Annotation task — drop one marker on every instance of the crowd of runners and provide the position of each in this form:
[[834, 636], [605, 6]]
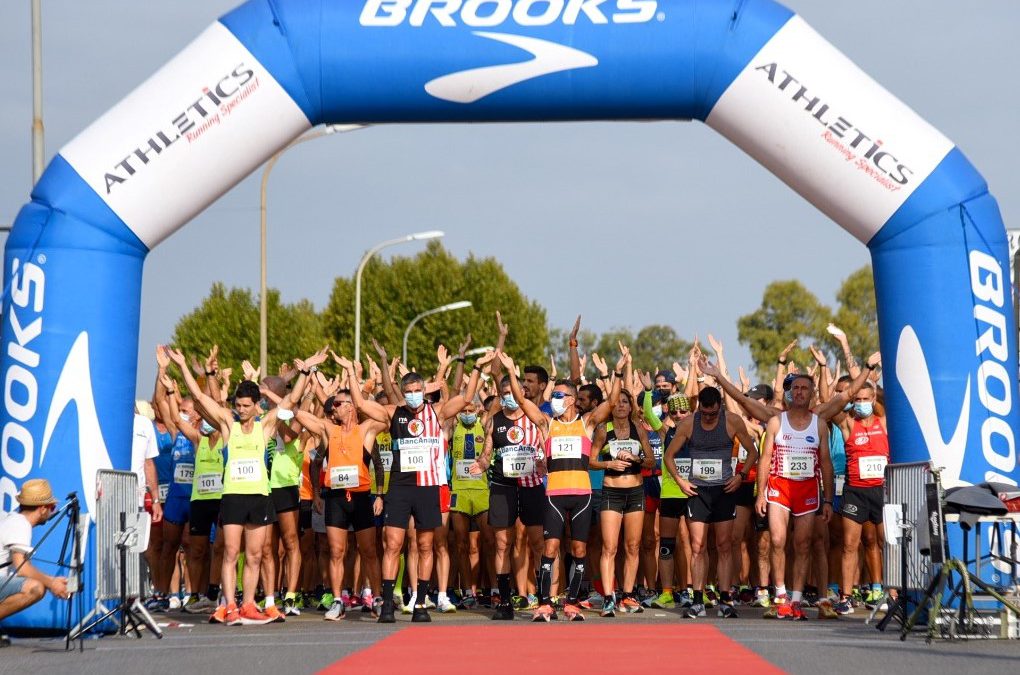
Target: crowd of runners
[[489, 485]]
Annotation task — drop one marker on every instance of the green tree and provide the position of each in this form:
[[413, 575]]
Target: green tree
[[394, 292], [230, 319], [559, 348], [857, 314], [788, 312], [656, 347]]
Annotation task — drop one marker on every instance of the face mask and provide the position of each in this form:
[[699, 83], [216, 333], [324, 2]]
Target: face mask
[[186, 417], [469, 419], [559, 405], [207, 428], [414, 399], [788, 396], [509, 402], [863, 408], [657, 410], [848, 406]]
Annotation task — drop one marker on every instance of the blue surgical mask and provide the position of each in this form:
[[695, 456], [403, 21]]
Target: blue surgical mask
[[207, 428], [848, 406], [559, 405], [863, 408], [469, 419], [414, 399], [509, 402], [788, 396]]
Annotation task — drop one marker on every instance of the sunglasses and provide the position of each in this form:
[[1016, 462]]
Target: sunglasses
[[560, 394]]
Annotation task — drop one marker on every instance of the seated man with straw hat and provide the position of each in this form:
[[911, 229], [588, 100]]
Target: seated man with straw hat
[[21, 584]]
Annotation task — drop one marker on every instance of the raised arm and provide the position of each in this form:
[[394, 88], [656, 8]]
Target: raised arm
[[369, 408], [646, 408], [755, 409], [575, 360], [504, 330], [388, 369], [777, 384], [840, 335], [839, 401], [222, 415], [530, 409], [682, 435], [458, 375], [457, 403], [605, 409]]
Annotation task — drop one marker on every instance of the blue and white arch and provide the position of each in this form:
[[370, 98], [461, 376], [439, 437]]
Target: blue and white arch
[[271, 69]]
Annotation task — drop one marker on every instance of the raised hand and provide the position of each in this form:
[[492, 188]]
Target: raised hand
[[504, 329], [819, 356], [582, 360], [443, 356], [212, 361], [196, 367], [707, 367], [162, 358], [317, 359], [646, 380], [786, 351], [745, 381], [875, 360], [716, 345], [250, 371], [504, 358], [680, 372], [599, 363], [576, 328], [380, 350], [166, 381], [176, 356], [373, 370], [836, 332], [624, 358], [342, 361]]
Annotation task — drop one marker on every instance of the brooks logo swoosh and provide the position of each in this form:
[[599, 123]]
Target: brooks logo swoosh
[[75, 386], [468, 86], [912, 373]]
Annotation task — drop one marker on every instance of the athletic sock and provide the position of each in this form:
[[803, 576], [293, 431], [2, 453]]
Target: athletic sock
[[574, 590], [780, 591], [503, 580], [270, 601], [212, 592], [797, 595], [423, 591], [876, 588], [442, 596], [834, 589], [543, 580], [699, 597], [387, 589]]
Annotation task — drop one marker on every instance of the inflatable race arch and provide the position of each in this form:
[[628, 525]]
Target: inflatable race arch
[[271, 69]]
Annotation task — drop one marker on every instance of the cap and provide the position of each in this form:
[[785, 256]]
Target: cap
[[788, 380], [678, 403], [668, 374], [761, 392], [36, 492]]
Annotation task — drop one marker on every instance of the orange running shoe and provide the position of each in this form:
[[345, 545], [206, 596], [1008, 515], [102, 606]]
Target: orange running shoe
[[797, 612], [544, 613], [233, 617], [784, 610], [274, 614], [251, 616], [572, 612], [220, 615]]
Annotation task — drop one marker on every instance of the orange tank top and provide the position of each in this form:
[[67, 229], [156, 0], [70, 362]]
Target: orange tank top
[[346, 466]]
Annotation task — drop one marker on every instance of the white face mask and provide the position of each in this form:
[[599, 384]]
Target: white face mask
[[559, 405], [657, 410], [186, 417]]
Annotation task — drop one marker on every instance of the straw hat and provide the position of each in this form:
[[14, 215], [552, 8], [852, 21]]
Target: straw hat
[[144, 408], [36, 492]]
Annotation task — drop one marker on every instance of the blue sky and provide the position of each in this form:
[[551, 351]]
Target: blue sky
[[702, 223]]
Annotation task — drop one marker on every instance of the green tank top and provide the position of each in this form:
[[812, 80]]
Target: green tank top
[[246, 462], [669, 488], [286, 463], [207, 483], [467, 446]]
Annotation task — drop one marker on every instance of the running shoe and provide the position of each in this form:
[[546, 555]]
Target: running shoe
[[645, 594], [797, 612], [631, 606], [761, 598], [826, 610], [200, 606], [162, 606], [844, 607], [874, 598], [366, 601], [469, 602], [544, 613], [745, 595], [557, 601], [326, 601], [251, 616], [377, 603], [485, 600], [188, 602], [429, 604], [711, 596], [695, 611], [398, 601], [664, 601], [5, 641], [274, 614], [519, 602], [857, 597], [233, 616], [421, 615], [300, 600], [445, 606], [608, 608], [685, 599], [532, 601], [173, 603], [290, 607], [494, 599], [386, 613], [572, 612], [503, 613], [219, 616], [726, 611], [780, 609], [592, 603], [336, 612]]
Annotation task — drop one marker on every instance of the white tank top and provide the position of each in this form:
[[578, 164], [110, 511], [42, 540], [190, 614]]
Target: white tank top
[[795, 452]]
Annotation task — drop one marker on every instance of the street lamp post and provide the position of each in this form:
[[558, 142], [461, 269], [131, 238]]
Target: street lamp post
[[463, 304], [263, 302], [37, 98], [417, 236]]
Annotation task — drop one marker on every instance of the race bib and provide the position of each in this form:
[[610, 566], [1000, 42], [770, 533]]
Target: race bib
[[245, 470], [871, 467], [683, 467], [184, 473], [414, 459], [798, 465], [518, 462], [706, 469], [616, 447], [657, 453], [387, 459], [343, 477], [164, 488], [463, 470], [566, 447], [733, 465], [840, 481], [209, 484]]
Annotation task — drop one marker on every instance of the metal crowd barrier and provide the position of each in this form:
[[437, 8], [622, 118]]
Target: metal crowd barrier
[[905, 485], [117, 493]]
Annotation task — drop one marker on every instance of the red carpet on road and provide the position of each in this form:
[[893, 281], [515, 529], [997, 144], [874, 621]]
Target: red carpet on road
[[527, 648]]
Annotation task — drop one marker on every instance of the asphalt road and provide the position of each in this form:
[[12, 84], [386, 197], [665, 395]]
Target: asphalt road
[[307, 644]]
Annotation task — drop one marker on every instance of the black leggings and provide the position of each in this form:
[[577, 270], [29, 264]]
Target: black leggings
[[576, 508]]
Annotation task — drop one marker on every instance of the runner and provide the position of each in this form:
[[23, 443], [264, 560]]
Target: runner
[[568, 491], [416, 429], [343, 491], [712, 488], [625, 453], [515, 461], [246, 507]]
